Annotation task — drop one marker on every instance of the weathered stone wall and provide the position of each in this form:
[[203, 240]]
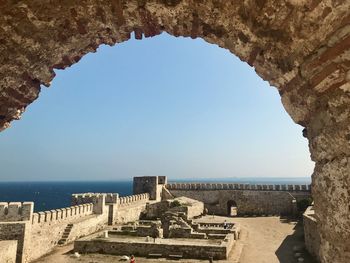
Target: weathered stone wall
[[44, 236], [144, 249], [149, 184], [249, 202], [97, 199], [16, 231], [64, 215], [190, 207], [131, 207], [47, 227], [311, 233], [8, 251], [38, 233], [16, 211], [235, 186]]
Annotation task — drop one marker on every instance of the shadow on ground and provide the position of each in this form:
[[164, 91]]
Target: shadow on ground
[[291, 243]]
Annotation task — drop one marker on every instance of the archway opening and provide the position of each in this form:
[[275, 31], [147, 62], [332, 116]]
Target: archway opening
[[232, 208], [207, 115], [299, 46]]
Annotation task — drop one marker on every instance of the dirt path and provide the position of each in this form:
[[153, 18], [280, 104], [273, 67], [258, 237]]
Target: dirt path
[[263, 240]]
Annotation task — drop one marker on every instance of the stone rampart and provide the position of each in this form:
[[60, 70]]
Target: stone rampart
[[84, 198], [63, 214], [248, 202], [150, 184], [16, 211], [236, 186], [45, 235], [38, 233], [133, 199], [131, 207]]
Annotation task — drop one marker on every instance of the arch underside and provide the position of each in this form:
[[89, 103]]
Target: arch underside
[[301, 47]]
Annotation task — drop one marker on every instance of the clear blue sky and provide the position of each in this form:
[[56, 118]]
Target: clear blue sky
[[167, 106]]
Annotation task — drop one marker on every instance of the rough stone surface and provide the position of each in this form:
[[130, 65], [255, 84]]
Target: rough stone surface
[[248, 202], [139, 246], [299, 46], [8, 251], [311, 234]]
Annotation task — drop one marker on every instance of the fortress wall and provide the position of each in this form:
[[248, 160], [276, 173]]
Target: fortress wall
[[133, 199], [44, 235], [236, 186], [62, 215], [16, 211], [130, 207], [18, 231], [38, 233], [8, 251], [84, 198], [150, 184], [311, 233], [249, 202]]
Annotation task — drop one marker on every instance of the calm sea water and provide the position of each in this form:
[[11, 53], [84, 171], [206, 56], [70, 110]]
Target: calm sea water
[[52, 195]]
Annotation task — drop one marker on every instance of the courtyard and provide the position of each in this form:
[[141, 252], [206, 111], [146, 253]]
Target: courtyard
[[263, 240]]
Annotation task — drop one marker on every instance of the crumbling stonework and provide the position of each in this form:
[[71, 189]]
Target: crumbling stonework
[[312, 237], [299, 46]]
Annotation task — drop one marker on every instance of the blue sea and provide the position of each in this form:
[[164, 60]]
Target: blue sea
[[53, 195]]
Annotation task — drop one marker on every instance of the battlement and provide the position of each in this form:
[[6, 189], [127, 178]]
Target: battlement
[[149, 184], [16, 211], [235, 186], [97, 199], [63, 214], [85, 198], [133, 199]]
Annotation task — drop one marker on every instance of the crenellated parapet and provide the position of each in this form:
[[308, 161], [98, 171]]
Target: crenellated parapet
[[133, 199], [16, 211], [97, 199], [63, 214], [236, 186]]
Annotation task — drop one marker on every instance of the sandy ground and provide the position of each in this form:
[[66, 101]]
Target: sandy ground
[[263, 240]]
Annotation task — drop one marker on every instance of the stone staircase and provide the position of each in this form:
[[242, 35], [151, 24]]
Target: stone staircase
[[65, 234]]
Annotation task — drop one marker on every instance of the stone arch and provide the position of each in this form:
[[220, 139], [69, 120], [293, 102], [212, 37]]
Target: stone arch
[[299, 46], [232, 208]]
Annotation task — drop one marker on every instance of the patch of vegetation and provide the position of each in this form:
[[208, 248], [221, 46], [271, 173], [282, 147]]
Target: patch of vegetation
[[303, 204], [175, 203]]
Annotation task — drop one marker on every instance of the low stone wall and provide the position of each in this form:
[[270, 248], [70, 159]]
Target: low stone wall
[[248, 202], [115, 247], [8, 251], [311, 234]]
